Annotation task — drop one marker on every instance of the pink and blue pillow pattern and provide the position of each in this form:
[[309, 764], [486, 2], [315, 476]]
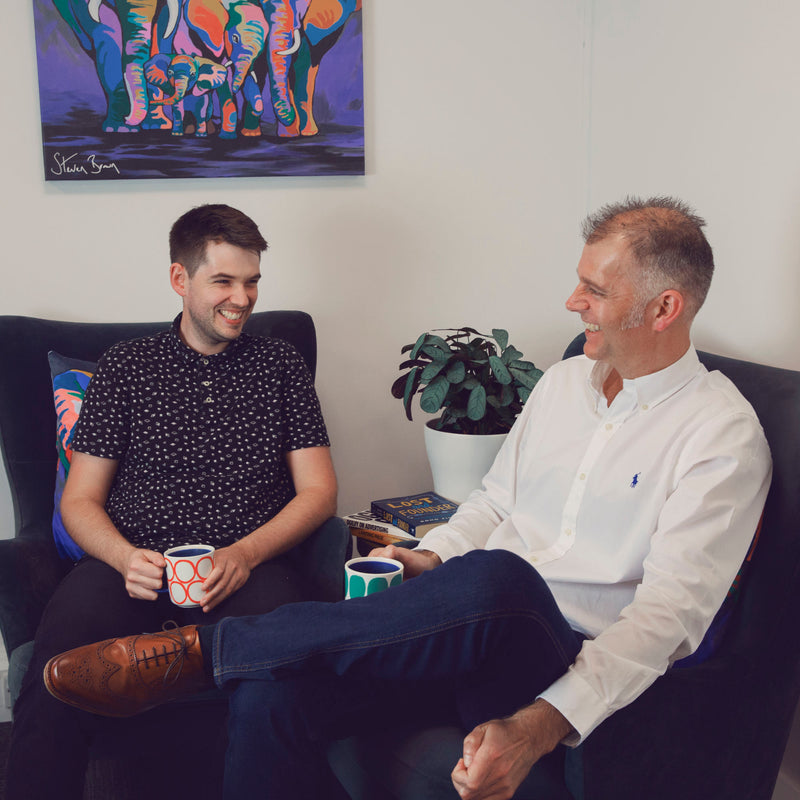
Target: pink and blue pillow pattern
[[70, 378]]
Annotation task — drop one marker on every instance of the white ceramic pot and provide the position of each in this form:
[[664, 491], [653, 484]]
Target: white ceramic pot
[[460, 460]]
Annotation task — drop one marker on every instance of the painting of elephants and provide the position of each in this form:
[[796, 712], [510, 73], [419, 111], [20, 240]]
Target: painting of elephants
[[200, 88]]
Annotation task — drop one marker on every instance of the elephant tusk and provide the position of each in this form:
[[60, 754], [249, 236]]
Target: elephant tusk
[[174, 13], [94, 9], [295, 45]]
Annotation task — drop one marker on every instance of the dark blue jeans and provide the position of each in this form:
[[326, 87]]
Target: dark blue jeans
[[473, 640]]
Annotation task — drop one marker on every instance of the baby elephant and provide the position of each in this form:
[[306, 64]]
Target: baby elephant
[[187, 84]]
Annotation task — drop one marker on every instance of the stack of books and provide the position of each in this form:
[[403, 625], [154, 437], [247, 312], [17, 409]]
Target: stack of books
[[370, 531], [398, 519]]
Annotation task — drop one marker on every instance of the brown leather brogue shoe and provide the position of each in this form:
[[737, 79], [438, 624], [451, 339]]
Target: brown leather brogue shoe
[[123, 677]]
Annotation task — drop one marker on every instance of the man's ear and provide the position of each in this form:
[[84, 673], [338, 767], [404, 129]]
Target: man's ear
[[178, 277], [671, 306]]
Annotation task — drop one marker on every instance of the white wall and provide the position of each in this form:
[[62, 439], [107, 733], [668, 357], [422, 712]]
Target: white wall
[[487, 141], [477, 177], [700, 99], [467, 215]]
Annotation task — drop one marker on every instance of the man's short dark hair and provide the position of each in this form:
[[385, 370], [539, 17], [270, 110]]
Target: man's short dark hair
[[666, 239], [211, 223]]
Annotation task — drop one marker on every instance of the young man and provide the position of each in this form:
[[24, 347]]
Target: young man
[[601, 545], [200, 433]]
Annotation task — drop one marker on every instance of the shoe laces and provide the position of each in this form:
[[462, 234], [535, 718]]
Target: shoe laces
[[174, 648]]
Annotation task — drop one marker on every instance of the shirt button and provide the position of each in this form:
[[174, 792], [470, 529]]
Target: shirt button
[[609, 426], [209, 400], [568, 532], [583, 476], [206, 383], [204, 362], [645, 406]]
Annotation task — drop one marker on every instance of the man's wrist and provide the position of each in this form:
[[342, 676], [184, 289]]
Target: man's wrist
[[118, 555], [434, 558], [247, 548], [545, 724]]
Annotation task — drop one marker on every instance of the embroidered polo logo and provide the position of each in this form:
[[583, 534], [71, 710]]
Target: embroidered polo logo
[[635, 481]]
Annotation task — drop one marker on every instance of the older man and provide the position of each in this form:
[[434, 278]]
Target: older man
[[596, 554]]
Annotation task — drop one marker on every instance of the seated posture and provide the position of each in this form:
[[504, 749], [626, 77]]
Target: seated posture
[[199, 434], [596, 554]]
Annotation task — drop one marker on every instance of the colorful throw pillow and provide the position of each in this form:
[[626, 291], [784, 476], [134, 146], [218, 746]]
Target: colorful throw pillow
[[70, 378]]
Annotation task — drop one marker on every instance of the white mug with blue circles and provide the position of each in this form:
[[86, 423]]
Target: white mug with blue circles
[[370, 575]]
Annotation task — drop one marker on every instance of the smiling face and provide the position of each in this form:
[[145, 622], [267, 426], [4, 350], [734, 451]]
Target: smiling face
[[219, 297], [611, 308]]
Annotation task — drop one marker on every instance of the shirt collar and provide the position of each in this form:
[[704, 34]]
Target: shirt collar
[[649, 390], [184, 351]]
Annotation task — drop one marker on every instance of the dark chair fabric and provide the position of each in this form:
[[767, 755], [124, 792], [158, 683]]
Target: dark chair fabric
[[714, 731], [29, 565], [416, 765]]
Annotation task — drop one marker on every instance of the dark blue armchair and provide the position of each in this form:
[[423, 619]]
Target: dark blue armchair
[[30, 567], [714, 731]]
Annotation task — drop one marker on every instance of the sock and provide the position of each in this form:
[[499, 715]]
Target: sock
[[206, 635]]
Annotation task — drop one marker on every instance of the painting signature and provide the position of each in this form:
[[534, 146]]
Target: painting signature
[[79, 164]]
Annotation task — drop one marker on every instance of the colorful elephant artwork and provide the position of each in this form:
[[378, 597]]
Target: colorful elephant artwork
[[321, 26], [185, 83], [242, 71], [234, 32], [99, 33]]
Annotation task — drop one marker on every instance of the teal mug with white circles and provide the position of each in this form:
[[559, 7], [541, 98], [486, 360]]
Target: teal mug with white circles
[[370, 575]]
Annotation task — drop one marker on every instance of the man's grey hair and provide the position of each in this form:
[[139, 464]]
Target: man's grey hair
[[665, 237]]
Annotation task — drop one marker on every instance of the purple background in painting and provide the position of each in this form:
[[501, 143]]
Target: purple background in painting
[[73, 106]]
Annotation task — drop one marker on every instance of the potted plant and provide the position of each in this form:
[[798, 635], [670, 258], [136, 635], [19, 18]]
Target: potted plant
[[477, 384]]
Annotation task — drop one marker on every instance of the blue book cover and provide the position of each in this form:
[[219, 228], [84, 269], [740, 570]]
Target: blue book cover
[[415, 513]]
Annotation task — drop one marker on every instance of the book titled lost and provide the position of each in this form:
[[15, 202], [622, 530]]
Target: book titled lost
[[416, 513]]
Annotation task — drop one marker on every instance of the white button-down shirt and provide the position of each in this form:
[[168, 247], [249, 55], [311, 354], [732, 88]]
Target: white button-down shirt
[[637, 515]]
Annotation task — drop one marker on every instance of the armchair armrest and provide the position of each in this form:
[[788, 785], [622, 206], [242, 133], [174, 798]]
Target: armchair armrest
[[30, 570], [667, 739], [321, 558]]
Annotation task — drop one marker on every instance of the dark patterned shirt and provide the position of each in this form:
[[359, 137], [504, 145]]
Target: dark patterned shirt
[[201, 440]]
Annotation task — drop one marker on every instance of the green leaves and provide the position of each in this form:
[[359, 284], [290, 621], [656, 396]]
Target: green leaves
[[456, 372], [499, 369], [510, 354], [412, 382], [434, 394], [501, 337], [476, 405], [431, 371], [477, 382], [525, 378]]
